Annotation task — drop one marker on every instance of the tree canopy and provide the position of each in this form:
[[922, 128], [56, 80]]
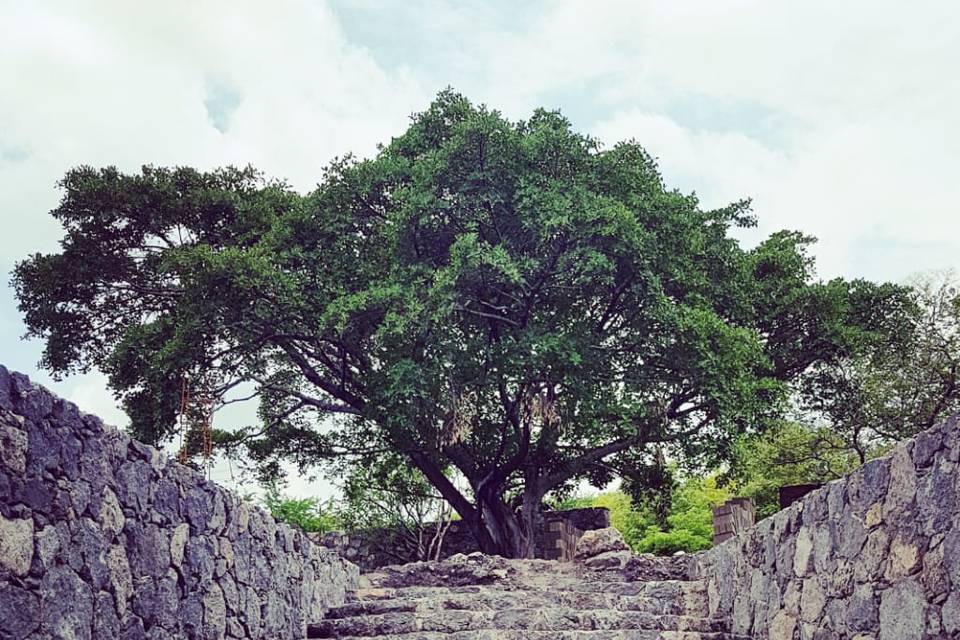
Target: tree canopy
[[504, 301]]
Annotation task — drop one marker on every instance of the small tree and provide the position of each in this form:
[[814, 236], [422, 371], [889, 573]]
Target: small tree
[[788, 454], [390, 499], [308, 514], [891, 390]]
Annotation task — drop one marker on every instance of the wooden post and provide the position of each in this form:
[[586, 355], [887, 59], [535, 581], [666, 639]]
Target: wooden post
[[732, 517]]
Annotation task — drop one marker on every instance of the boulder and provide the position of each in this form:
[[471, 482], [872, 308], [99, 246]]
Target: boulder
[[609, 560], [593, 543]]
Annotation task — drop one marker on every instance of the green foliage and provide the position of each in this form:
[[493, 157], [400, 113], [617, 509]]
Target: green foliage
[[855, 408], [631, 522], [787, 455], [689, 523], [393, 501], [693, 504], [502, 301], [305, 513], [387, 494], [667, 543], [891, 389], [651, 484]]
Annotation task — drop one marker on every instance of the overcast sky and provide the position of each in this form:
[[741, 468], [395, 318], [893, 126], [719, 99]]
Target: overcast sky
[[838, 118]]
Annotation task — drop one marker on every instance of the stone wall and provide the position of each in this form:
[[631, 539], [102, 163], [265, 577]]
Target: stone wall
[[103, 537], [875, 555], [554, 539]]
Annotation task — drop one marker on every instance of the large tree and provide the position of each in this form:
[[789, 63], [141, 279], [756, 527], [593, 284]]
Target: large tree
[[502, 301]]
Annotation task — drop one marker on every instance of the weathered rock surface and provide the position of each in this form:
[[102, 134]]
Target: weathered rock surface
[[480, 597], [102, 537], [873, 556], [593, 543]]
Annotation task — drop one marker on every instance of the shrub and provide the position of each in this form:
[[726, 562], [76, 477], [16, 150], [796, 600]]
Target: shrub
[[689, 523], [305, 513], [666, 543]]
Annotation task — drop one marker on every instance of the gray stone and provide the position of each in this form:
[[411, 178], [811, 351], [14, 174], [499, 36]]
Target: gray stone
[[148, 549], [803, 553], [106, 623], [950, 614], [951, 555], [19, 611], [178, 540], [902, 612], [867, 564], [93, 549], [869, 483], [863, 611], [812, 600], [597, 541], [937, 497], [43, 450], [231, 595], [111, 515], [904, 556], [191, 616], [198, 508], [156, 603], [16, 545], [251, 614], [166, 501], [214, 614], [903, 483], [783, 626], [121, 580], [133, 485], [852, 535], [199, 561], [925, 445], [79, 497], [934, 575], [609, 560], [31, 402], [13, 443], [47, 545], [66, 605]]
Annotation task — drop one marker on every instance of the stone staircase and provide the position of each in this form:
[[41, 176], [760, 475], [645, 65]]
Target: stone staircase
[[615, 595]]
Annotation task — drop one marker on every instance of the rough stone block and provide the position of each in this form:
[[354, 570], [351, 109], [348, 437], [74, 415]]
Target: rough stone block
[[103, 537]]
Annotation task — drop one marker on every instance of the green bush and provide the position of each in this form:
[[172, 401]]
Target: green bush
[[306, 513], [666, 543], [631, 522], [789, 454], [689, 524]]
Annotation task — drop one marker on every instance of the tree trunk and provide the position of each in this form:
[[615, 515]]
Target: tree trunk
[[512, 532], [497, 528]]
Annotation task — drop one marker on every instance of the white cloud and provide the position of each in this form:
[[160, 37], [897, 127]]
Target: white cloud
[[89, 394], [126, 83], [877, 179]]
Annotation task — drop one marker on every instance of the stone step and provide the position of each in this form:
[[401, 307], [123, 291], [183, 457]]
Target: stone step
[[689, 603], [551, 619], [664, 589], [500, 634]]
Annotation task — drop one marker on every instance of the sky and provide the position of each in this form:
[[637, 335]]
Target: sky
[[838, 119]]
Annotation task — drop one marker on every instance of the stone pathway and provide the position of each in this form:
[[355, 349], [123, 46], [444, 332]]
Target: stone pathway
[[614, 595]]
